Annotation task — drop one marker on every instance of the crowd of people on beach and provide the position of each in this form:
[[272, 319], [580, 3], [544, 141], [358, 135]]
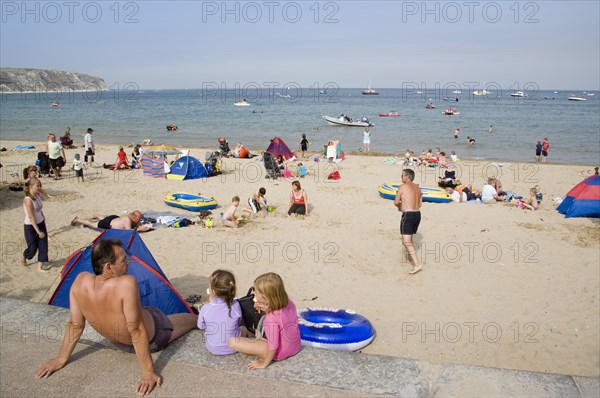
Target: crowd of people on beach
[[221, 318]]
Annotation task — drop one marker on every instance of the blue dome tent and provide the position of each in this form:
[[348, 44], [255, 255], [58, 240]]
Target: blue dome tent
[[187, 168], [155, 289]]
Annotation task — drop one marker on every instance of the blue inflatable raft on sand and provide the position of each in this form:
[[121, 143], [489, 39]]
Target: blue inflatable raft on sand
[[435, 195], [334, 329], [190, 201]]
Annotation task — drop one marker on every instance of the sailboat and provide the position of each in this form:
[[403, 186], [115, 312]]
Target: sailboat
[[369, 90], [286, 95]]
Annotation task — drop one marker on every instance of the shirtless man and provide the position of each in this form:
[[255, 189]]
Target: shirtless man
[[408, 200], [110, 302], [127, 221]]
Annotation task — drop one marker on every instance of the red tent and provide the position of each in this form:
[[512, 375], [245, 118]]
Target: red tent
[[278, 147], [583, 200]]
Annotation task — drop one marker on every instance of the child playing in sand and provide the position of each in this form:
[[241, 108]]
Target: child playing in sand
[[280, 325], [121, 159], [78, 167], [257, 201], [221, 317], [301, 170], [229, 219], [531, 203]]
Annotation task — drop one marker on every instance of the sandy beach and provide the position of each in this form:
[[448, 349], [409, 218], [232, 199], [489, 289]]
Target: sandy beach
[[501, 286]]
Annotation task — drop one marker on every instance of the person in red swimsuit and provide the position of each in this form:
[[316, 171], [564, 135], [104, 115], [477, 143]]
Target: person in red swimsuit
[[122, 159], [298, 200]]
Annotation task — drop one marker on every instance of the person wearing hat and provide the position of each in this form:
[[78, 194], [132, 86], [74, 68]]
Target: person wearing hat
[[78, 167], [90, 149]]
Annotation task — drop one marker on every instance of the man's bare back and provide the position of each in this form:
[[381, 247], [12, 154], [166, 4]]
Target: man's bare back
[[408, 197], [101, 302]]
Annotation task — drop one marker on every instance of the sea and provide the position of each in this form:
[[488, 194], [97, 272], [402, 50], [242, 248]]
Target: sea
[[202, 116]]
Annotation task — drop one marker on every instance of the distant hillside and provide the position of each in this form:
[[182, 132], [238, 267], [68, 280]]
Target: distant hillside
[[18, 80]]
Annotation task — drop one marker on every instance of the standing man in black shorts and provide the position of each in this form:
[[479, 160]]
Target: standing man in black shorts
[[408, 200]]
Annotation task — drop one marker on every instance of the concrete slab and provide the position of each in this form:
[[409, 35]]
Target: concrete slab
[[98, 372], [588, 387], [8, 304], [462, 380]]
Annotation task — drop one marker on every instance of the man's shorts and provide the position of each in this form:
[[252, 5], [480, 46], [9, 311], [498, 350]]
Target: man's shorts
[[163, 329], [409, 223], [56, 163], [105, 222]]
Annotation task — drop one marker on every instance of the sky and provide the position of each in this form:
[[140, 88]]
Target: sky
[[394, 44]]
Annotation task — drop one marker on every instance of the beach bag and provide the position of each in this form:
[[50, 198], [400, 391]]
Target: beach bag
[[334, 175], [251, 318]]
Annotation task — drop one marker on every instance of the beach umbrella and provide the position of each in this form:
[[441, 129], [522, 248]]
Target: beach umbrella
[[583, 200], [162, 150]]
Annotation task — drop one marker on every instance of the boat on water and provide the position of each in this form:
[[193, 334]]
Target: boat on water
[[389, 114], [430, 106], [519, 94], [344, 120], [55, 104], [480, 93], [323, 92], [457, 92], [448, 99], [450, 112], [369, 90], [286, 95], [242, 103], [577, 98]]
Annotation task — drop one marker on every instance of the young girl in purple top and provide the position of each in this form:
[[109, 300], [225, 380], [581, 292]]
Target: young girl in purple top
[[222, 316], [280, 325]]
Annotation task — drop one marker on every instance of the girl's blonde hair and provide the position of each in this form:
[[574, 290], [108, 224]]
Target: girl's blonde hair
[[271, 286], [534, 190], [31, 182], [222, 283]]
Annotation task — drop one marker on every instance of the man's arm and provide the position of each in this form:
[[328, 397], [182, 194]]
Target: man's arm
[[132, 310], [73, 332], [398, 198]]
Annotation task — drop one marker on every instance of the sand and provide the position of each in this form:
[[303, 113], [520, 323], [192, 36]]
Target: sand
[[501, 287]]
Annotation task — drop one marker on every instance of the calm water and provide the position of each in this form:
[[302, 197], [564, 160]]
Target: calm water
[[130, 116]]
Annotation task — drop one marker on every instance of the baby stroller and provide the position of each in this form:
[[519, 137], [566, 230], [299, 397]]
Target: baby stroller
[[224, 147], [213, 163], [43, 163], [271, 165]]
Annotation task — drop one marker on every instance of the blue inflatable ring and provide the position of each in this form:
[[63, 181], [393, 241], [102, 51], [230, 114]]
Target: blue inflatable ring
[[334, 329]]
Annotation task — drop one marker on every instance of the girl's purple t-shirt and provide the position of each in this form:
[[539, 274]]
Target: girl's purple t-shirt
[[219, 325], [282, 332]]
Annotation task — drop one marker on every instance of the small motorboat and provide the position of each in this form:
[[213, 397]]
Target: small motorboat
[[448, 99], [242, 103], [577, 98], [323, 92], [450, 112], [456, 92], [390, 114], [56, 104], [430, 106], [344, 120], [480, 93], [519, 94]]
